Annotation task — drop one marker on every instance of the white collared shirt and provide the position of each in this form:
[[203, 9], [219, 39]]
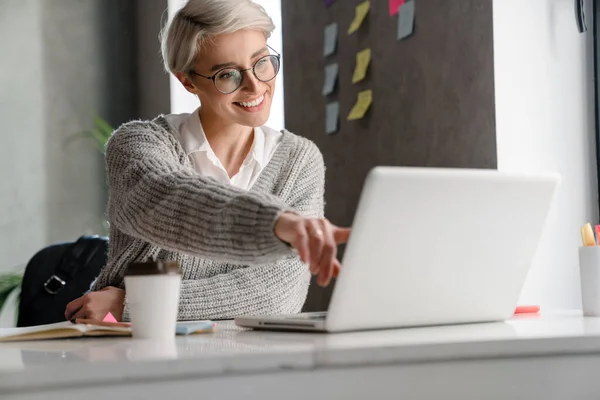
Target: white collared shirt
[[205, 161]]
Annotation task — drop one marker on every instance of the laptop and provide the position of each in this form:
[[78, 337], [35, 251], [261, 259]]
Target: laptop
[[432, 246]]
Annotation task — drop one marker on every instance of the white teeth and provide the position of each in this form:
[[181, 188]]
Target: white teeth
[[252, 103]]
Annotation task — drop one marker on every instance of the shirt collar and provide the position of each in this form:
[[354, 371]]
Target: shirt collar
[[258, 146], [194, 139], [192, 134]]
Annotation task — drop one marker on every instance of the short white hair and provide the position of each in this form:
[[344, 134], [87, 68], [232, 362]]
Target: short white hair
[[201, 20]]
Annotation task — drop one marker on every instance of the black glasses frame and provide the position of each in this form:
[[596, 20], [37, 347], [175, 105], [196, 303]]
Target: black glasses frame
[[213, 77]]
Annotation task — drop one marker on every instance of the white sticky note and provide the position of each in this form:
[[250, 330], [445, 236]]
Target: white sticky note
[[332, 117], [331, 74], [330, 39]]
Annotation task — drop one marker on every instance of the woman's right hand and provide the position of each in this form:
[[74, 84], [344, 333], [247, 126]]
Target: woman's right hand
[[316, 240]]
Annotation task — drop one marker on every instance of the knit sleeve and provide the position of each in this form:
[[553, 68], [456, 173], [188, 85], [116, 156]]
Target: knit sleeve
[[155, 198], [308, 193], [272, 288]]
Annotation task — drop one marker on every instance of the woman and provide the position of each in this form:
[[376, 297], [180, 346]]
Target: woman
[[237, 204]]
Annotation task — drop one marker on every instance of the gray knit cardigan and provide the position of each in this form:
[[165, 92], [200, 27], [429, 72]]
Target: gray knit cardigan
[[232, 263]]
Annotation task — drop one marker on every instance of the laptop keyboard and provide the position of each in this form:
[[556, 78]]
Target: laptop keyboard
[[320, 315]]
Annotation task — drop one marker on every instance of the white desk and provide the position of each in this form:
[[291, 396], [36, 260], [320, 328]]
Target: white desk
[[549, 357]]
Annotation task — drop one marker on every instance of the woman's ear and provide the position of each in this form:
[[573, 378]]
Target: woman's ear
[[187, 82]]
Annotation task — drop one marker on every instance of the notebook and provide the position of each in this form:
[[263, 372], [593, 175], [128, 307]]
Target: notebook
[[80, 328]]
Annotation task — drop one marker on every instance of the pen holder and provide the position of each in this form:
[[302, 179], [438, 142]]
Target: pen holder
[[589, 273]]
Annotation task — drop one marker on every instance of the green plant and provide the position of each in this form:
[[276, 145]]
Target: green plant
[[99, 134], [8, 282]]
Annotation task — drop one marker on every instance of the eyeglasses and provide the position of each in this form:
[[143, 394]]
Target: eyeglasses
[[228, 80]]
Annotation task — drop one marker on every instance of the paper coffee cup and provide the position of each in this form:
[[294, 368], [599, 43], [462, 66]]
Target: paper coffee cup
[[152, 289], [589, 271]]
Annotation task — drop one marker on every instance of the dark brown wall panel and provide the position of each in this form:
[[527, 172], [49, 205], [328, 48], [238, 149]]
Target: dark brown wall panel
[[433, 93]]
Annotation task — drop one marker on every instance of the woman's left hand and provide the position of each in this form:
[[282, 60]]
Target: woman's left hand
[[95, 305]]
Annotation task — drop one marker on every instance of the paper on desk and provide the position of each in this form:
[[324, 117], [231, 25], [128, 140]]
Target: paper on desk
[[394, 5], [406, 19], [330, 39], [363, 58], [331, 74], [360, 13], [332, 116], [363, 103]]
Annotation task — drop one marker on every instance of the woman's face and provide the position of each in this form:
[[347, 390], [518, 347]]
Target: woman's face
[[250, 104]]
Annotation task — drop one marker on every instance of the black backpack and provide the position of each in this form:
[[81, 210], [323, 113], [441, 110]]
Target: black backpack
[[58, 274]]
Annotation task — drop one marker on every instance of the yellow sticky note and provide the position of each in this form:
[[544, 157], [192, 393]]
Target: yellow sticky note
[[363, 58], [362, 105], [359, 16]]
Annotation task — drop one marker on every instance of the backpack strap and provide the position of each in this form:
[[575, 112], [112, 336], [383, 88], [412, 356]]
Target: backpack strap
[[78, 255]]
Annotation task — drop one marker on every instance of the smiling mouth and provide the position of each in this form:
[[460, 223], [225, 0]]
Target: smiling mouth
[[254, 103]]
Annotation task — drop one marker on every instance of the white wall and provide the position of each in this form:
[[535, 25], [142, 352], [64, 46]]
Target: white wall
[[22, 154], [76, 86], [182, 101], [545, 122], [51, 87]]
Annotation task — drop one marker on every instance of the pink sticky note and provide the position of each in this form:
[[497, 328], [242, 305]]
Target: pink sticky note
[[109, 318], [395, 5]]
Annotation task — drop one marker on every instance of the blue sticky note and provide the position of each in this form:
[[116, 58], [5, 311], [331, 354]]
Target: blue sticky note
[[330, 39], [188, 328], [332, 114], [331, 75], [406, 19]]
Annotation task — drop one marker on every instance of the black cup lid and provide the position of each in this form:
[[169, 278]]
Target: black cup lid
[[153, 268]]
